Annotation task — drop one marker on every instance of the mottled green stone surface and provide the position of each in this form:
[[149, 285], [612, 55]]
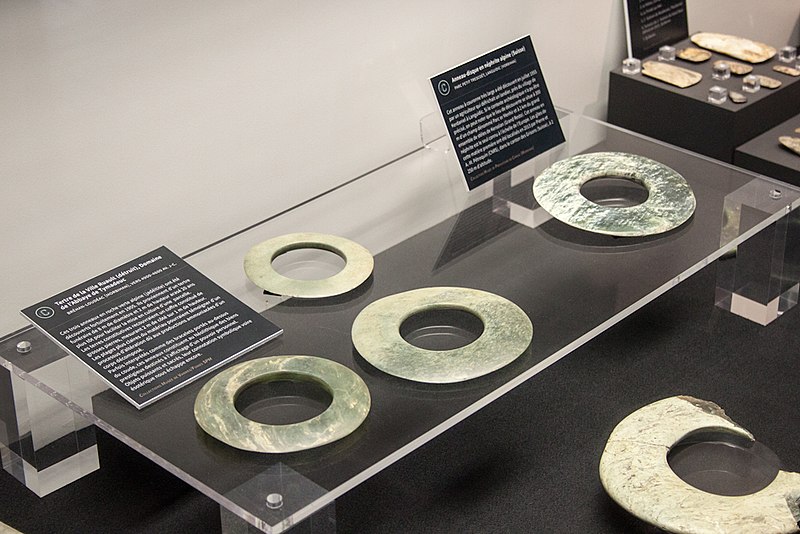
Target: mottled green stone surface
[[635, 472], [670, 200], [507, 333], [216, 413], [258, 265]]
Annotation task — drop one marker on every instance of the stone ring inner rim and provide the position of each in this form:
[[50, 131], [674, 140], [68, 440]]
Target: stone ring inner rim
[[311, 245], [605, 178], [453, 320], [279, 376]]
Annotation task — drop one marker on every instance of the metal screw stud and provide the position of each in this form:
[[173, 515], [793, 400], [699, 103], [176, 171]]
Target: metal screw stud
[[24, 347], [775, 194], [274, 501]]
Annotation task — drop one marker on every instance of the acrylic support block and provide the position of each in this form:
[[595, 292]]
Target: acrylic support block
[[758, 279], [751, 84], [721, 71], [277, 496], [717, 95], [787, 54], [45, 445], [666, 53], [631, 66]]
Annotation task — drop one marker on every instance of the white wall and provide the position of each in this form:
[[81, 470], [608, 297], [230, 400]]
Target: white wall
[[126, 125], [776, 22]]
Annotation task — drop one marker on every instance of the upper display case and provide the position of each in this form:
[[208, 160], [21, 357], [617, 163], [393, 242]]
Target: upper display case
[[766, 154], [424, 229], [686, 118]]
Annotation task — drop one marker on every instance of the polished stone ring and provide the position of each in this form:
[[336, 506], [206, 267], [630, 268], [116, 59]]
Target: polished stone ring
[[507, 333], [258, 265], [635, 472], [216, 413], [670, 201]]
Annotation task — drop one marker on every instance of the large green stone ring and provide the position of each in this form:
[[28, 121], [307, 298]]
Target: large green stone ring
[[258, 265], [216, 413], [507, 333], [670, 201]]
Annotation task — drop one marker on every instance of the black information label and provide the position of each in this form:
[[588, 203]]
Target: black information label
[[652, 24], [498, 111], [151, 326]]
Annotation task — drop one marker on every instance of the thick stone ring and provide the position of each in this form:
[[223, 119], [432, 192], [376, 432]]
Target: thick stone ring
[[669, 204], [216, 413], [258, 265], [507, 333]]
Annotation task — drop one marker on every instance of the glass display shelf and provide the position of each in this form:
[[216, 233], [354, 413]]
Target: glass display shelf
[[424, 229]]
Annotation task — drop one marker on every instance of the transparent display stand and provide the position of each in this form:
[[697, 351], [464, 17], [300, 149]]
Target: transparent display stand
[[424, 229]]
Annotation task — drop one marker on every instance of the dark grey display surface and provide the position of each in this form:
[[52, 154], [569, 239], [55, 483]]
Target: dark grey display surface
[[536, 469], [765, 155], [524, 460], [685, 118], [572, 284], [563, 286]]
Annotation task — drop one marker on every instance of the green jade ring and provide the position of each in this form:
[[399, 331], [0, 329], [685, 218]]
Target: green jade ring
[[258, 265], [216, 413], [669, 204], [507, 333]]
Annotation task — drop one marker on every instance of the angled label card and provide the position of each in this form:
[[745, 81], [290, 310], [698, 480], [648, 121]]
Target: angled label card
[[651, 24], [498, 111], [151, 326]]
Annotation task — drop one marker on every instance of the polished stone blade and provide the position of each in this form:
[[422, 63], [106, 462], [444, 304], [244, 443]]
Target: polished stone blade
[[769, 83], [737, 97], [738, 47], [739, 69], [695, 55], [789, 71], [792, 143], [671, 74]]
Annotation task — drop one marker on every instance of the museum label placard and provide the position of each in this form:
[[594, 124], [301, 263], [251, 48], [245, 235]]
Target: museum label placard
[[497, 111], [151, 326], [651, 24]]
